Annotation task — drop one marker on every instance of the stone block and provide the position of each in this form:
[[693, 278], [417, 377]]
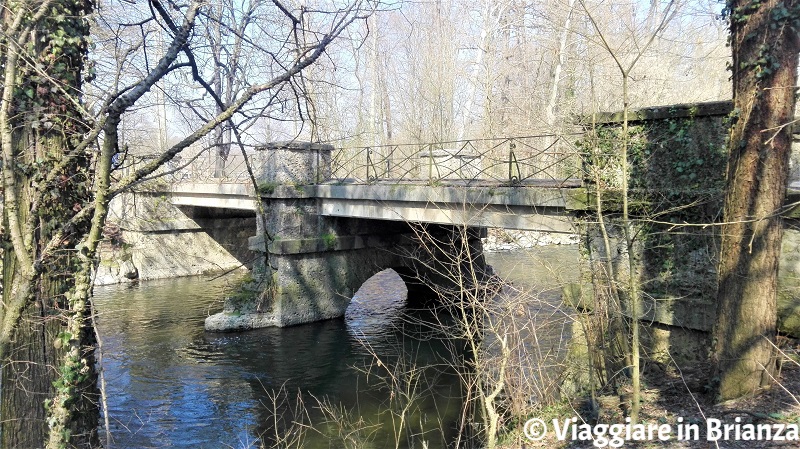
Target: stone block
[[296, 163]]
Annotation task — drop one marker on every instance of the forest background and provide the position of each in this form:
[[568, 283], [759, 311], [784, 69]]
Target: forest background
[[84, 82]]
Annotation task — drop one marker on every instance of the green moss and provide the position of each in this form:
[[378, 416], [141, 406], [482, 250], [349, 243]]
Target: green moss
[[329, 239], [267, 187], [673, 158], [244, 297]]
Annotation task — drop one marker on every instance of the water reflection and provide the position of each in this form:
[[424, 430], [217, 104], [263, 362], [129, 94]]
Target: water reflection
[[170, 384]]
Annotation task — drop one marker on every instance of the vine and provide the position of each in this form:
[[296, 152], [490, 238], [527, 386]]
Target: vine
[[763, 63], [49, 89], [47, 122]]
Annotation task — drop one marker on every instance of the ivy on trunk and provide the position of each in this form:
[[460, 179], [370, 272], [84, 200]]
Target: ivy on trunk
[[46, 180]]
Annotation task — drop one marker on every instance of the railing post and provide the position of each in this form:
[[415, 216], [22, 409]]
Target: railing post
[[371, 164], [512, 163]]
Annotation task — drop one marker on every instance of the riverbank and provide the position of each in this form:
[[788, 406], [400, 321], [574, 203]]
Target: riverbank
[[499, 239]]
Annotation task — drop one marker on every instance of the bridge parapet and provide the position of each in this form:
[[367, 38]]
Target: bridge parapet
[[672, 152], [510, 161], [507, 161]]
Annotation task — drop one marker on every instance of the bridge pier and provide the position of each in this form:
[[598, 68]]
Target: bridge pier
[[312, 264]]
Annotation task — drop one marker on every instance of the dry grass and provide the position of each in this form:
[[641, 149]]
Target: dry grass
[[670, 393]]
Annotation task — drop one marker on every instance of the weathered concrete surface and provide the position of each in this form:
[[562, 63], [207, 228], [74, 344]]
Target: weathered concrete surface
[[229, 228], [536, 209], [156, 239], [546, 209], [214, 195], [296, 163], [305, 288], [314, 279], [677, 158], [171, 254]]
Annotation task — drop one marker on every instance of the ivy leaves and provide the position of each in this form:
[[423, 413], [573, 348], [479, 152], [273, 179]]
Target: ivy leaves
[[782, 18], [48, 84]]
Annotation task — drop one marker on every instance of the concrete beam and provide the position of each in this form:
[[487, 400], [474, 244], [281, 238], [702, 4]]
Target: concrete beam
[[528, 208], [539, 208], [456, 195], [492, 215], [216, 195]]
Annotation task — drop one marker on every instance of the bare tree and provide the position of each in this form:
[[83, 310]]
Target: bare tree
[[626, 61], [228, 29], [57, 187], [492, 329]]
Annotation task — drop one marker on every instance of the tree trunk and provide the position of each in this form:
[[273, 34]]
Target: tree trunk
[[765, 55], [28, 374], [44, 187], [33, 362]]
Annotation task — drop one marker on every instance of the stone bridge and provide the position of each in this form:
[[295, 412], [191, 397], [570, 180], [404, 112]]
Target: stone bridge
[[327, 222], [322, 239]]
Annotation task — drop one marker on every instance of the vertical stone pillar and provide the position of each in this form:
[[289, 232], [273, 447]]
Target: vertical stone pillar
[[297, 163], [302, 278], [290, 168]]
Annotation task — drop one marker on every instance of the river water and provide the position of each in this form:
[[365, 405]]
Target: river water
[[171, 385]]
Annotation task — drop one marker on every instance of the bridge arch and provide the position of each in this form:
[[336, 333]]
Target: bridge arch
[[315, 279], [315, 261]]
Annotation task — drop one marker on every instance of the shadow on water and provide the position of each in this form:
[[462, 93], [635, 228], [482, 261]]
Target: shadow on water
[[171, 384], [352, 374]]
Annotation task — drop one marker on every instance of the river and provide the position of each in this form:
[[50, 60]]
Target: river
[[170, 384]]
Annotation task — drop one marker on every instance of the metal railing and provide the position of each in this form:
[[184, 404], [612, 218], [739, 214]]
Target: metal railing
[[553, 159], [504, 161], [202, 167]]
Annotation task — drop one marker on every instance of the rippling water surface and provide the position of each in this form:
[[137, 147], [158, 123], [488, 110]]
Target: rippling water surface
[[170, 384]]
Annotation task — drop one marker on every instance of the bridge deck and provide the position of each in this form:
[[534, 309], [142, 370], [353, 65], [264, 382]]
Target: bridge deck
[[533, 205], [531, 208]]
